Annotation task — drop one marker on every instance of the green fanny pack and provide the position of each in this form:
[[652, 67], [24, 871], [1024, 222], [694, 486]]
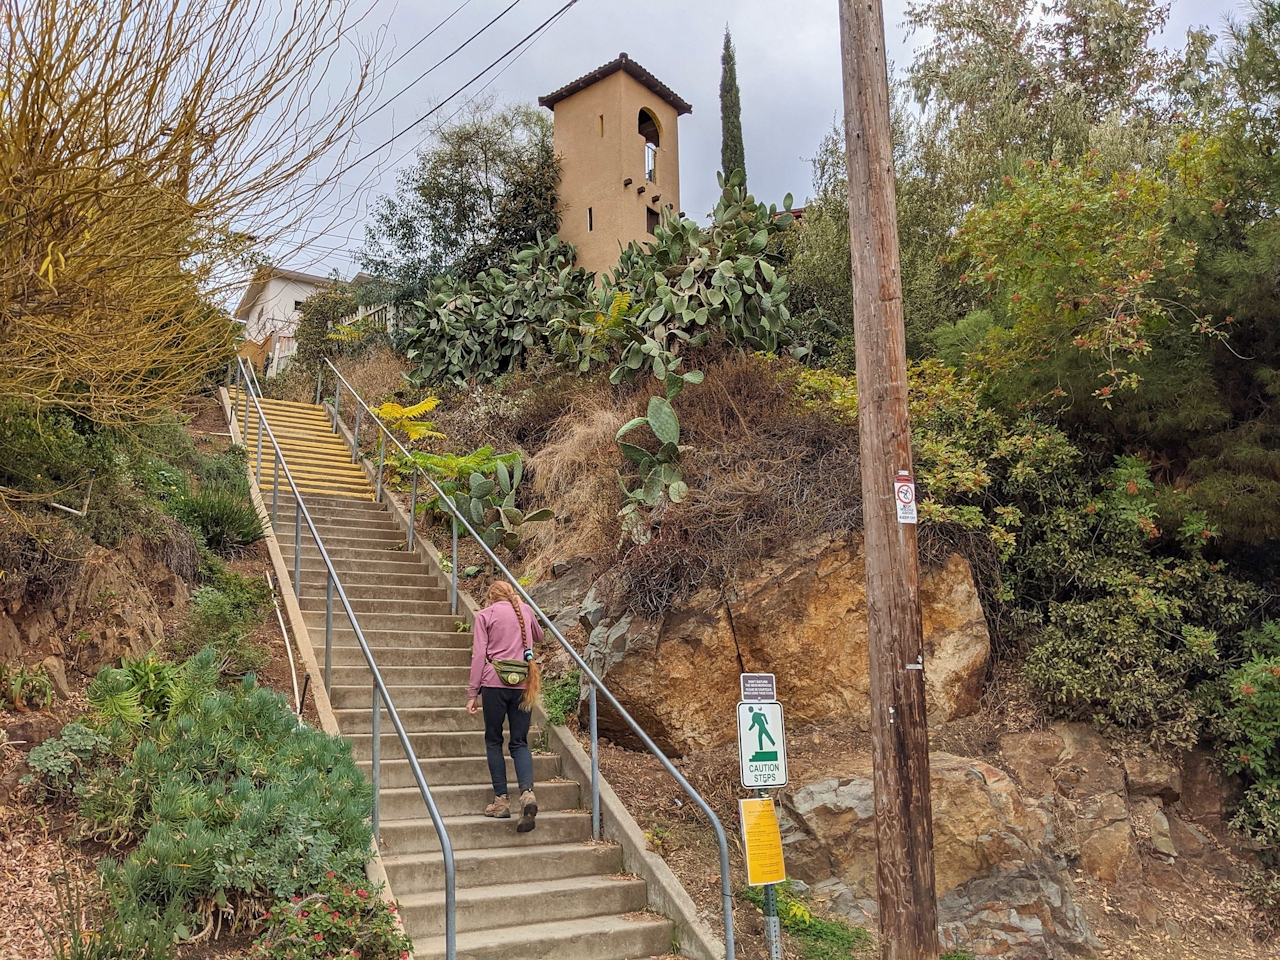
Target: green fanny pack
[[511, 672]]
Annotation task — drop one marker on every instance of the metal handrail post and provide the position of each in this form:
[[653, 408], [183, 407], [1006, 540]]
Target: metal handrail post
[[297, 547], [275, 490], [337, 399], [319, 383], [355, 439], [248, 391], [382, 449], [328, 633], [257, 470], [453, 569], [595, 765], [377, 768], [413, 510], [722, 839]]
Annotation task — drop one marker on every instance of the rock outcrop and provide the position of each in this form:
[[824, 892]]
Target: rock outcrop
[[1000, 885], [802, 618], [114, 608]]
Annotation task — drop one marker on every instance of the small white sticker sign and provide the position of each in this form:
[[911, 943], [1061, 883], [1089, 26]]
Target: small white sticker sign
[[904, 495]]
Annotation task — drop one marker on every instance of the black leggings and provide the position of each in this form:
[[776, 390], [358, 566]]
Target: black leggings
[[503, 703]]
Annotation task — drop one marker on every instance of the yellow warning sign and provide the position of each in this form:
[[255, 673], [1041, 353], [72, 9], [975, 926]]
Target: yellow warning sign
[[763, 842]]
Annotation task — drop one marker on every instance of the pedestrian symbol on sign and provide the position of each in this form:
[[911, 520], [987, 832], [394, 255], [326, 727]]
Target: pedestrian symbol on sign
[[762, 744], [760, 724]]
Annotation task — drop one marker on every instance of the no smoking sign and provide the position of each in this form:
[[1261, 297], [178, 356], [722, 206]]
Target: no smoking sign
[[904, 495]]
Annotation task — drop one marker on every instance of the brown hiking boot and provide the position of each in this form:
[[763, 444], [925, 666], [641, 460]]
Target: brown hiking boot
[[500, 808], [528, 810]]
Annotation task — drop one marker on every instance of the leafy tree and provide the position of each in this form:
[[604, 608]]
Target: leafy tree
[[484, 187], [732, 154], [317, 317], [135, 170]]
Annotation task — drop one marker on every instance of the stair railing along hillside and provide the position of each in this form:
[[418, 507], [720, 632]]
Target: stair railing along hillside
[[246, 389], [595, 683]]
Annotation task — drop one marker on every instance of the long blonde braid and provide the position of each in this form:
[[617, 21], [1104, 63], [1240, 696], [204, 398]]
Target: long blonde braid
[[499, 591]]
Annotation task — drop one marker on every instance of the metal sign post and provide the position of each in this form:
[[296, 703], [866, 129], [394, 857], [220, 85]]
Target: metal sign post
[[762, 753]]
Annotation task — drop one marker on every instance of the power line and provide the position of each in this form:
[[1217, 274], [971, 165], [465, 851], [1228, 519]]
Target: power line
[[394, 137], [423, 40], [405, 89]]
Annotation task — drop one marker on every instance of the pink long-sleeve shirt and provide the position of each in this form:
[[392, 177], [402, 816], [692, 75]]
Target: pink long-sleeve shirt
[[496, 636]]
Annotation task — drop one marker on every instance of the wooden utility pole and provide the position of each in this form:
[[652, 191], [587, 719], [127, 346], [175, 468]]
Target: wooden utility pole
[[900, 744]]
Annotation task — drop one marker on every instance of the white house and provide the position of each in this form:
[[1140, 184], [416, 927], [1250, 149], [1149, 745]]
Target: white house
[[269, 312]]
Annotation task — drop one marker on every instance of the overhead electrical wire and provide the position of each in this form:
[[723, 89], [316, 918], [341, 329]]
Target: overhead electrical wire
[[454, 52], [453, 96], [424, 39], [526, 43]]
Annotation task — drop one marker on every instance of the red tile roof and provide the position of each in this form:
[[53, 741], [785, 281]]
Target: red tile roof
[[628, 66]]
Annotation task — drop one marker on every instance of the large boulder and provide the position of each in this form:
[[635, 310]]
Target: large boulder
[[801, 617], [999, 886]]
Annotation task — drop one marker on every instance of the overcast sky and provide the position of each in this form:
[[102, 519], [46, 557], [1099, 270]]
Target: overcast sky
[[788, 72]]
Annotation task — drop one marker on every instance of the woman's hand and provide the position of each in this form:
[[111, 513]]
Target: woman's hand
[[473, 706]]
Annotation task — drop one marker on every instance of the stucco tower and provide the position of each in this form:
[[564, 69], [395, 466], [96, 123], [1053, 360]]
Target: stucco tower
[[615, 134]]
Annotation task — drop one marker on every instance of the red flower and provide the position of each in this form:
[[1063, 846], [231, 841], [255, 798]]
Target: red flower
[[330, 874], [1246, 690], [319, 936], [362, 894]]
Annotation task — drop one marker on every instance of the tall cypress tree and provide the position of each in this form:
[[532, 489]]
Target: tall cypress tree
[[732, 156]]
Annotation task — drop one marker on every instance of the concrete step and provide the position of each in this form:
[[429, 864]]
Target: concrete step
[[406, 698], [347, 538], [404, 622], [381, 605], [395, 562], [453, 771], [515, 905], [427, 589], [380, 584], [480, 832], [357, 552], [403, 656], [369, 531], [416, 720], [344, 636], [480, 868], [348, 676], [406, 803], [466, 743], [342, 534], [592, 938], [327, 509]]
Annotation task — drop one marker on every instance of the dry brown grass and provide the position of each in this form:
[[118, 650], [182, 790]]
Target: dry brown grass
[[575, 474], [376, 375]]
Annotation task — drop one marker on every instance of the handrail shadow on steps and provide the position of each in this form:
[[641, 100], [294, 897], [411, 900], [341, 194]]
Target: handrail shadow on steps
[[595, 683], [246, 387]]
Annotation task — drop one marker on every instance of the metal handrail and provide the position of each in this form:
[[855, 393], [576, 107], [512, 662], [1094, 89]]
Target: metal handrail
[[381, 695], [595, 682]]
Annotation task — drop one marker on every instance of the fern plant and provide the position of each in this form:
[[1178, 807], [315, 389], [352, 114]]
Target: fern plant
[[409, 420]]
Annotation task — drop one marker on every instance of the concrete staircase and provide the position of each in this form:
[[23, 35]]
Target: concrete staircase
[[549, 893]]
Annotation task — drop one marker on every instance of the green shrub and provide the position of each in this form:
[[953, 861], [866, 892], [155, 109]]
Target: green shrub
[[228, 802], [337, 920], [1245, 720], [224, 614], [1132, 616], [57, 763], [113, 937], [561, 695], [223, 514], [818, 938]]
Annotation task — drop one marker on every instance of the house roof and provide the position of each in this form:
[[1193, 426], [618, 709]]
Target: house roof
[[632, 69], [264, 275]]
